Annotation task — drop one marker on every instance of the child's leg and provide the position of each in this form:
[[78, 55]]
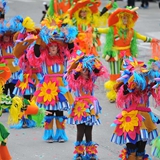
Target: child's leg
[[48, 127], [131, 151], [91, 147], [60, 135], [79, 144], [80, 132], [88, 133], [140, 150]]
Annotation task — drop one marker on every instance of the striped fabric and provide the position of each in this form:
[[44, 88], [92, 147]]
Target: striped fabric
[[55, 68], [115, 67], [9, 49], [61, 106], [90, 119], [14, 76], [144, 136], [29, 91]]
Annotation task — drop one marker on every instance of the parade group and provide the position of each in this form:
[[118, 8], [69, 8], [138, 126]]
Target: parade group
[[47, 70]]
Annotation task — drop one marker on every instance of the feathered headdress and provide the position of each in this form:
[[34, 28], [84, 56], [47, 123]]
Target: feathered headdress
[[134, 73], [81, 63]]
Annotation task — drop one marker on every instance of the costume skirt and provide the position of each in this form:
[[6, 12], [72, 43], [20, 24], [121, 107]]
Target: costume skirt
[[85, 110], [132, 126]]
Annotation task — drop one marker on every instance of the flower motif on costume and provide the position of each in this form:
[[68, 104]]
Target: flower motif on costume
[[79, 111], [79, 149], [128, 123], [48, 92], [23, 85], [123, 154], [91, 149]]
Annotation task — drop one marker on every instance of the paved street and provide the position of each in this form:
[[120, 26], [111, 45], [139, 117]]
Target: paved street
[[27, 144]]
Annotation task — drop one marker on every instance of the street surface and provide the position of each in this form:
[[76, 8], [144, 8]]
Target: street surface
[[27, 144]]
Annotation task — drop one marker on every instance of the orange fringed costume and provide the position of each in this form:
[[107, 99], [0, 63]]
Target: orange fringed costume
[[121, 41]]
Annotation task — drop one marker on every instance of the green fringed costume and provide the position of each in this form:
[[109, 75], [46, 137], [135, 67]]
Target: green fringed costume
[[121, 42]]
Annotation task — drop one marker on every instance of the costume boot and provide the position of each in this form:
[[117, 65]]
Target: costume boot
[[48, 129], [79, 150], [132, 156], [4, 153], [91, 151], [60, 135], [139, 158]]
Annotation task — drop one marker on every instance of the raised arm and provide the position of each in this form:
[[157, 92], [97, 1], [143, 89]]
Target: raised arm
[[143, 38], [103, 30]]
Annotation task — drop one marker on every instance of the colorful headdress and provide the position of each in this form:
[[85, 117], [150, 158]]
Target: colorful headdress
[[114, 17], [81, 63], [134, 73], [66, 35], [92, 5], [3, 6]]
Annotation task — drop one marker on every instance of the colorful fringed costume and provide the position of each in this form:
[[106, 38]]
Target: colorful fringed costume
[[135, 126], [25, 87], [86, 16], [7, 29], [82, 74], [52, 92], [155, 151], [121, 41], [5, 74]]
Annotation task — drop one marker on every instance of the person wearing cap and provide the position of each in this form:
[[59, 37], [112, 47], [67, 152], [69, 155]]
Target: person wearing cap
[[50, 52], [86, 16], [121, 42], [135, 126], [82, 73]]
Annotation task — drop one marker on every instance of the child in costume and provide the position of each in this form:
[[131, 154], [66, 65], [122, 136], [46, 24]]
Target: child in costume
[[50, 52], [155, 150], [5, 74], [7, 30], [121, 41], [86, 16], [82, 74], [25, 87], [135, 126], [27, 78]]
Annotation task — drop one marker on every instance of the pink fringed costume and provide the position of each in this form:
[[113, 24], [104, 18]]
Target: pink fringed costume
[[136, 124], [82, 74]]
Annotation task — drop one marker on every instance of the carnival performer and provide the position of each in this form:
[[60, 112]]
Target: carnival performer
[[155, 150], [50, 52], [135, 126], [5, 74], [8, 29], [25, 87], [86, 17], [81, 76], [155, 63], [121, 41], [27, 77]]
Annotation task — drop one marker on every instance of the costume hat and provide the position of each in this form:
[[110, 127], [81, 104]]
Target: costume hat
[[93, 6], [114, 17], [21, 46]]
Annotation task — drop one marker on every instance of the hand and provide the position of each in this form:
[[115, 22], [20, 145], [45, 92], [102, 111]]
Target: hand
[[47, 112]]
